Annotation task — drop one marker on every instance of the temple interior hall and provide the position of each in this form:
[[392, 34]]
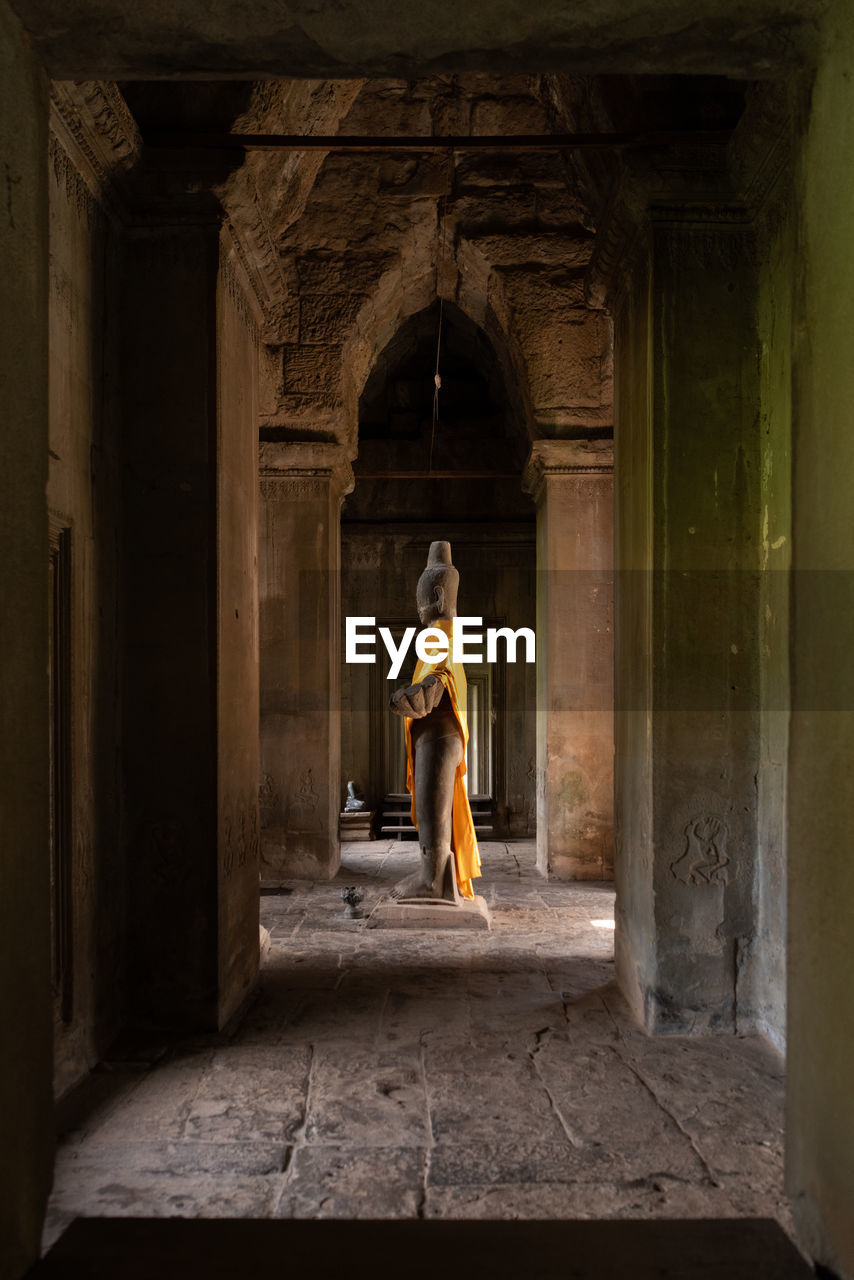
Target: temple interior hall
[[292, 291]]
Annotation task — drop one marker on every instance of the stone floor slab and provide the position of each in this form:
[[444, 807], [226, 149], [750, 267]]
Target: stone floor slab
[[347, 1182], [385, 1073]]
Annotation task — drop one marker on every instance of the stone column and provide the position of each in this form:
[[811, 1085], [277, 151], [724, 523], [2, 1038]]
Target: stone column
[[572, 484], [27, 1126], [302, 487], [688, 533], [188, 603]]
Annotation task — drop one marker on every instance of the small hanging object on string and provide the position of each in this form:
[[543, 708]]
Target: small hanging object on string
[[437, 380], [437, 383]]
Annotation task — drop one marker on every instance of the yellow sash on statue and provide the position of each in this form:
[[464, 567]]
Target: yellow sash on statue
[[463, 840]]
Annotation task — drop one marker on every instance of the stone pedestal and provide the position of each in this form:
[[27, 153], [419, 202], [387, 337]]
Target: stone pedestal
[[355, 825], [572, 484], [412, 913], [302, 486]]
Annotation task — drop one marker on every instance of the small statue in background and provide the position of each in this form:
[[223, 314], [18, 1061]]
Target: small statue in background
[[355, 801]]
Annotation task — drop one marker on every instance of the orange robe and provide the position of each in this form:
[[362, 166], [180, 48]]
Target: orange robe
[[463, 840]]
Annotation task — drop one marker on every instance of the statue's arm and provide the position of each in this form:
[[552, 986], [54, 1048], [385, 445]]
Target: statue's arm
[[418, 700]]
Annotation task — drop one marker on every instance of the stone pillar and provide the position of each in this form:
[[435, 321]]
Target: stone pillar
[[26, 1111], [820, 1062], [572, 484], [302, 487], [688, 534], [188, 603]]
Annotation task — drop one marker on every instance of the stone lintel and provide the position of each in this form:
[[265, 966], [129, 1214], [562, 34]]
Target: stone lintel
[[551, 458], [558, 422], [307, 460]]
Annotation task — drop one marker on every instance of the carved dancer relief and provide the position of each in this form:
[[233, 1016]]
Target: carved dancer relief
[[704, 860]]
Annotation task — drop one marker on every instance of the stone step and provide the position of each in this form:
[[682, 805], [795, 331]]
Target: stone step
[[193, 1248]]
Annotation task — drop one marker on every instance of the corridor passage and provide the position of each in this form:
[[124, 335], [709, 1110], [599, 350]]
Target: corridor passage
[[408, 1074]]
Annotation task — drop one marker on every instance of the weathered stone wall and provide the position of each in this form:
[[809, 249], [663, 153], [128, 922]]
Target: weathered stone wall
[[379, 571], [26, 1114], [820, 1119], [82, 498]]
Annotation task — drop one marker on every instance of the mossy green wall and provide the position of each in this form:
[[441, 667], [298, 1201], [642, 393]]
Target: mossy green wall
[[775, 235], [820, 1132]]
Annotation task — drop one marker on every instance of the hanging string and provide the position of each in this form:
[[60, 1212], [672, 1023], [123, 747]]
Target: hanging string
[[437, 378], [437, 384]]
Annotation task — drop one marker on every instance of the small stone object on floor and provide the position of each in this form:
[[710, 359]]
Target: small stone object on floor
[[352, 896]]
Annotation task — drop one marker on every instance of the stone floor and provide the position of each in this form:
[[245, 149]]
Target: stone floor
[[384, 1074]]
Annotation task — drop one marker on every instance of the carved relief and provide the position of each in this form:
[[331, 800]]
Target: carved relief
[[302, 815], [286, 488], [269, 800], [704, 859]]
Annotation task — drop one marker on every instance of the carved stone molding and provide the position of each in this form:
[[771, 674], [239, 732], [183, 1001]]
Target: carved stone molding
[[760, 150], [240, 286], [261, 264], [91, 121], [620, 237], [78, 193], [551, 458]]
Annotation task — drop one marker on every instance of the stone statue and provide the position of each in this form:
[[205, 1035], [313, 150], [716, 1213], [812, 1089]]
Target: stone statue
[[354, 803], [434, 711]]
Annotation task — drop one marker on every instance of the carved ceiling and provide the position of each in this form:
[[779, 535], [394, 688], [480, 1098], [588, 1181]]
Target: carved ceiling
[[340, 247]]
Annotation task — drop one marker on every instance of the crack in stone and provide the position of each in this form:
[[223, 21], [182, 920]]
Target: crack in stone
[[299, 1135], [710, 1177], [421, 1204], [541, 1038]]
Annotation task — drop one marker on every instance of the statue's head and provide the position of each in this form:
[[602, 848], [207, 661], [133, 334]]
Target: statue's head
[[436, 594]]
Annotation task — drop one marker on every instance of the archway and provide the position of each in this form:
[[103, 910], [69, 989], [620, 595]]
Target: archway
[[455, 475]]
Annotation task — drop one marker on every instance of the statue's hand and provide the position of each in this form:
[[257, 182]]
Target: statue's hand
[[418, 700]]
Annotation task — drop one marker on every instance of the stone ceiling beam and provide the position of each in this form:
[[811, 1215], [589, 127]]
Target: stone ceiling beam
[[199, 39], [179, 138]]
